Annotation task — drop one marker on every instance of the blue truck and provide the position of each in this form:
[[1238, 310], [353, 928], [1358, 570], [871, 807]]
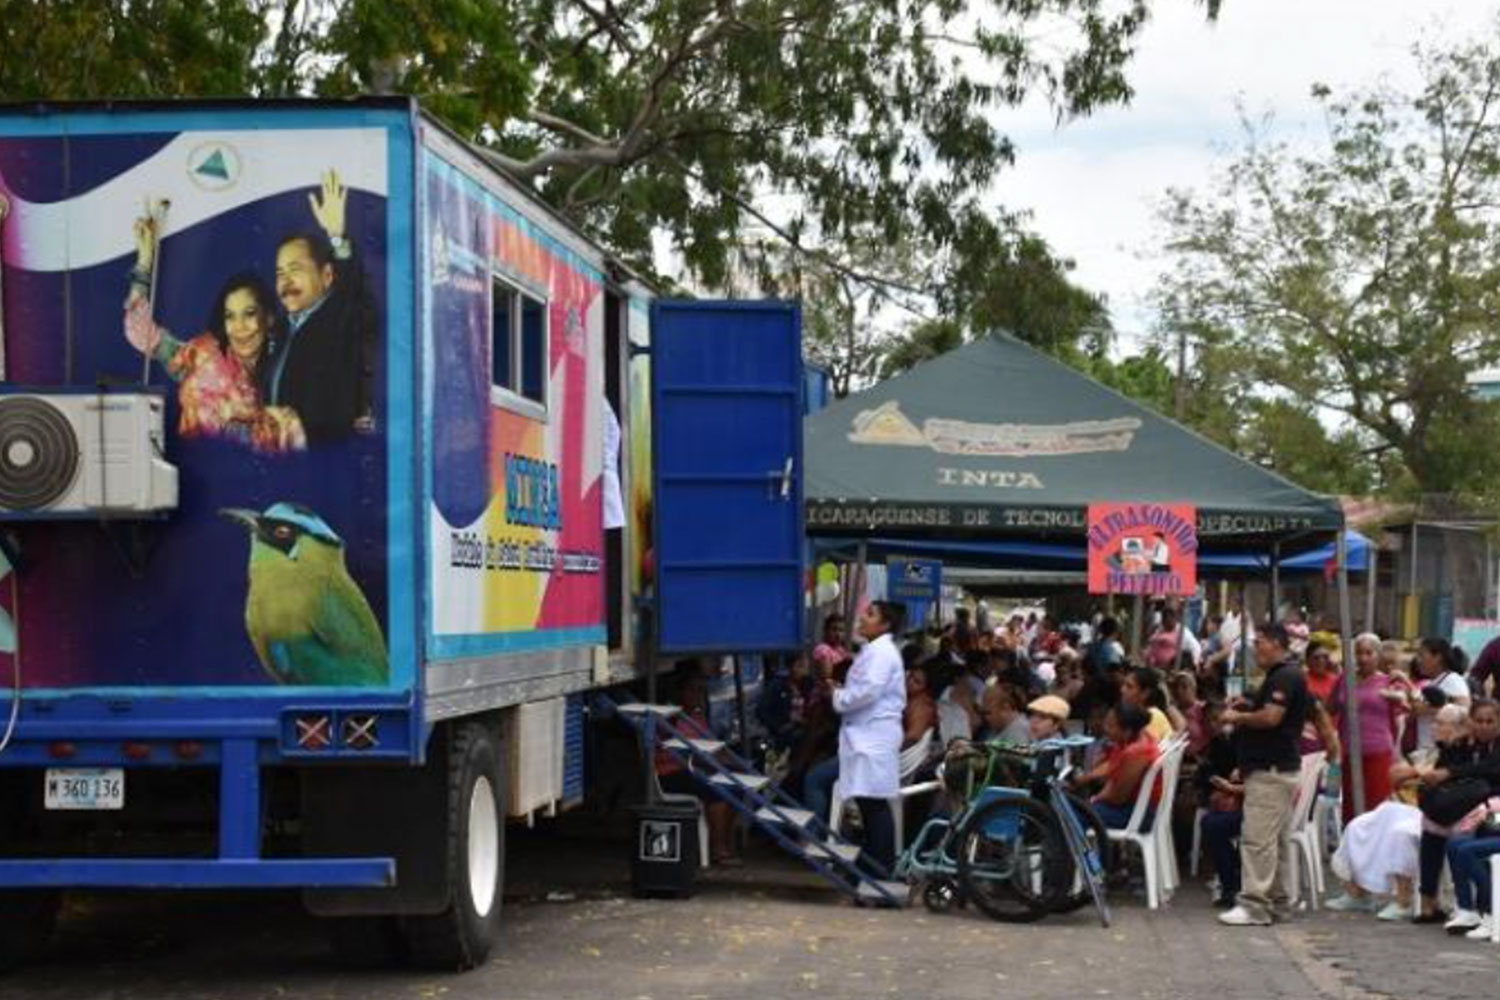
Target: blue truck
[[334, 469]]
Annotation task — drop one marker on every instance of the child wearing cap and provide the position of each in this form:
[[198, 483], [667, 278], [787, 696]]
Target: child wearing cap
[[1046, 716]]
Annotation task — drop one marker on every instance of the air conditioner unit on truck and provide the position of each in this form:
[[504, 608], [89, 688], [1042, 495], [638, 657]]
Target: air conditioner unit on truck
[[334, 470]]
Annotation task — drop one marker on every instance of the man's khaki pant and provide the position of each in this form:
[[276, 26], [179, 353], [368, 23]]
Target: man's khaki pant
[[1266, 880]]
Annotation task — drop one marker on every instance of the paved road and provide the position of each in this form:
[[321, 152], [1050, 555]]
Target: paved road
[[739, 939]]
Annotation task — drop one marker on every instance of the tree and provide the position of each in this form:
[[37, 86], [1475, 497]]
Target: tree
[[1145, 377], [1016, 286], [820, 121], [922, 341], [846, 323], [1288, 437], [1361, 279], [1019, 286]]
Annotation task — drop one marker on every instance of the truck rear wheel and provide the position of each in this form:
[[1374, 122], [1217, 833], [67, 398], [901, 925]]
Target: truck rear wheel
[[461, 936], [27, 920]]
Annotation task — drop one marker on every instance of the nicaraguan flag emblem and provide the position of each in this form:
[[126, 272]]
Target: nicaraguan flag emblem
[[214, 166]]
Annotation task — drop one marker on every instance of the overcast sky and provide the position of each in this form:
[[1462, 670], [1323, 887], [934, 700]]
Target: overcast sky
[[1092, 184]]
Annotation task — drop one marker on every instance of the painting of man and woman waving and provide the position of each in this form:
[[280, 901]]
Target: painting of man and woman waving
[[281, 365]]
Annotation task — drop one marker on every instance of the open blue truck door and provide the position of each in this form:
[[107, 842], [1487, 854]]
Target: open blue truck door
[[727, 384]]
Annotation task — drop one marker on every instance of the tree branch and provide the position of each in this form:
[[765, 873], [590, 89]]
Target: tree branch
[[878, 283], [609, 22]]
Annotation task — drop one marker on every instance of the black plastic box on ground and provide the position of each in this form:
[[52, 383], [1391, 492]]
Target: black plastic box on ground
[[664, 850]]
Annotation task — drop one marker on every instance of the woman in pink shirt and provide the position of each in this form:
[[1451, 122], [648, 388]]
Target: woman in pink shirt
[[831, 651], [1377, 714]]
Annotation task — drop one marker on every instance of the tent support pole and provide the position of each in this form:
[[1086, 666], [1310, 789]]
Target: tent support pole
[[1275, 581], [1372, 558], [1244, 657], [1411, 590], [1489, 579], [862, 555], [1181, 607], [1351, 694], [1137, 624], [743, 744], [1495, 568]]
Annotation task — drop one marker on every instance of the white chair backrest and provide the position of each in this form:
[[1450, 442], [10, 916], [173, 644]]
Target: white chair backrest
[[953, 722], [1171, 773], [1157, 770], [1309, 780], [914, 756]]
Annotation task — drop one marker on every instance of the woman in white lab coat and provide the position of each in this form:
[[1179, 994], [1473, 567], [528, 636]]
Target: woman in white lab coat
[[871, 701]]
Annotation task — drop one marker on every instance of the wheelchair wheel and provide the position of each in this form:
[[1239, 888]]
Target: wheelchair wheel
[[1012, 860], [940, 895], [1095, 832]]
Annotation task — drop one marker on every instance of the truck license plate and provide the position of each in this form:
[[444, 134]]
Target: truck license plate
[[85, 788]]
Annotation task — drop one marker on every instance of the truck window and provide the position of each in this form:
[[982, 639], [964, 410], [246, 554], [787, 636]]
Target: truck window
[[533, 350], [502, 343], [518, 350]]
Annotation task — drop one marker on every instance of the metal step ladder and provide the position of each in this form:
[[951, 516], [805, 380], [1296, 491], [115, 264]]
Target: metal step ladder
[[788, 823]]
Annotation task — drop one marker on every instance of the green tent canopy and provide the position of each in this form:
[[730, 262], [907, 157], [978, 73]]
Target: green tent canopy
[[997, 439]]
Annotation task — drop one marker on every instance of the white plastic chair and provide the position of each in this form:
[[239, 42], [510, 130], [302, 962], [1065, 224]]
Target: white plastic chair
[[912, 759], [1150, 842], [1167, 837], [1195, 852], [1494, 898], [1301, 835], [1328, 824], [1173, 747]]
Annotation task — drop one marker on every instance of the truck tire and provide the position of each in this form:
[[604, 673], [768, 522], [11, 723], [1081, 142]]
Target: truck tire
[[27, 919], [460, 937]]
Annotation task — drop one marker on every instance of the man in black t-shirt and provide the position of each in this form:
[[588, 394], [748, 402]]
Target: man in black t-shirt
[[1267, 726]]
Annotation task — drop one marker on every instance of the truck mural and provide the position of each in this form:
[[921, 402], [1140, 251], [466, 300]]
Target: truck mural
[[304, 412], [514, 523], [243, 274]]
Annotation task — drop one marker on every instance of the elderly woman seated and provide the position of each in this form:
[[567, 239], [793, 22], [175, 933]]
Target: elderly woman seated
[[1474, 838], [1471, 759], [1378, 854]]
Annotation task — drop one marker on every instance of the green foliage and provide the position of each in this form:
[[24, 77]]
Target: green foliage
[[923, 342], [63, 50], [1288, 437], [1361, 279], [1017, 285], [1145, 377], [828, 123]]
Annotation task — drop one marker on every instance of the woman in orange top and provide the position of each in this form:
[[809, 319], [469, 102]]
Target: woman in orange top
[[1131, 753]]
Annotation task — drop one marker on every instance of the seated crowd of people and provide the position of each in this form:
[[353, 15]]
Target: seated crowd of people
[[1429, 739]]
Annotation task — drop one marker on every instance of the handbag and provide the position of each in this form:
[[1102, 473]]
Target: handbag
[[1489, 826], [1451, 801], [1481, 821]]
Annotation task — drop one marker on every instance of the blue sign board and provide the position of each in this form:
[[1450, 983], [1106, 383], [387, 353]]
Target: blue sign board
[[914, 580]]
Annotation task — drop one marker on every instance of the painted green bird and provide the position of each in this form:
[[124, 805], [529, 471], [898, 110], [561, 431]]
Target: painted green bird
[[307, 619]]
